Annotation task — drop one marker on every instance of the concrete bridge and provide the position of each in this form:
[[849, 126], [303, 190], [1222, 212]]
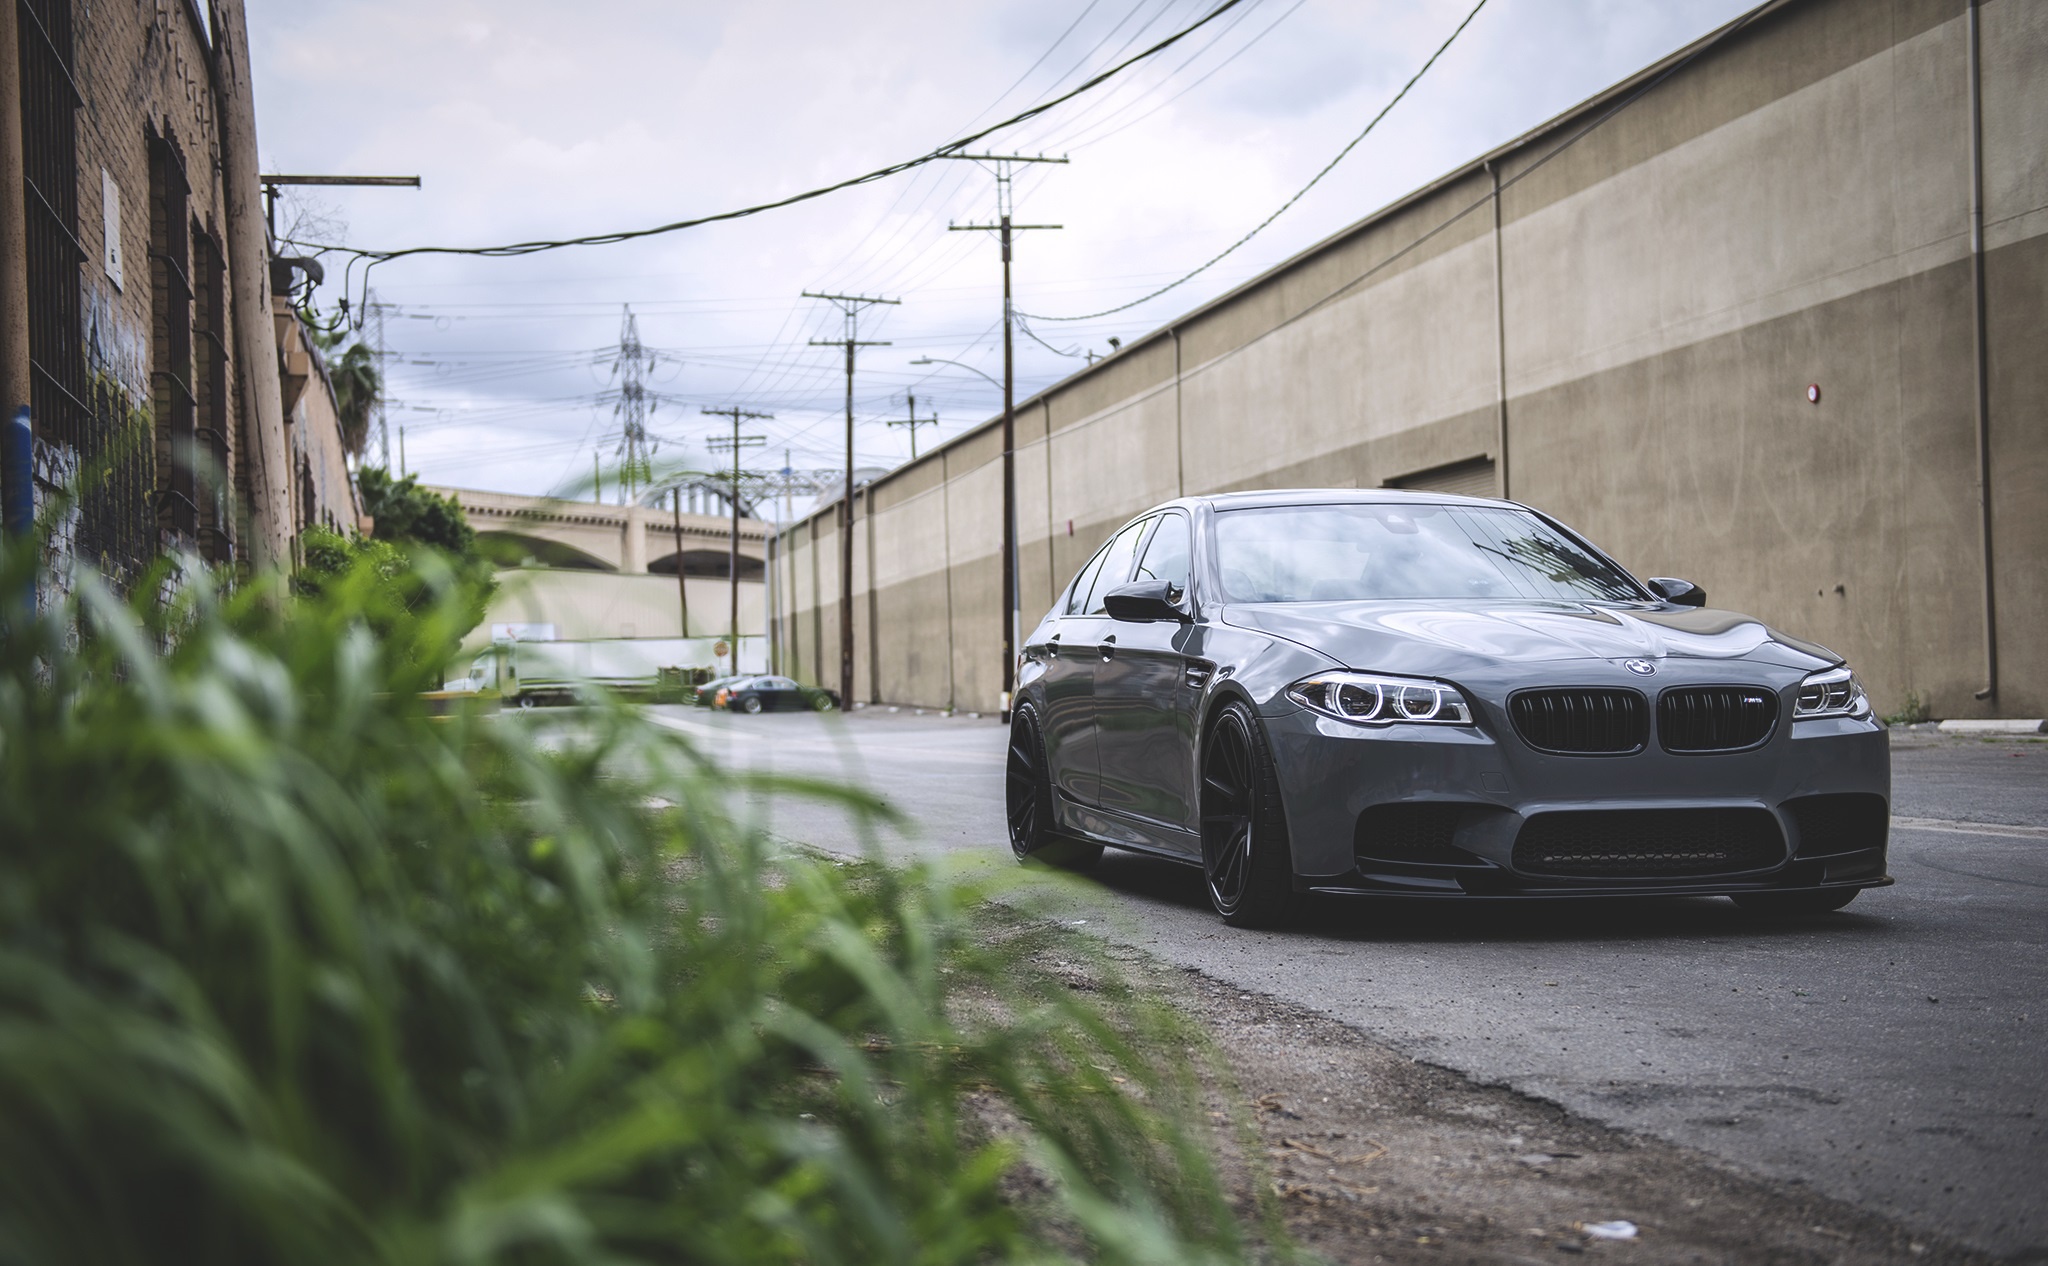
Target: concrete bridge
[[585, 536]]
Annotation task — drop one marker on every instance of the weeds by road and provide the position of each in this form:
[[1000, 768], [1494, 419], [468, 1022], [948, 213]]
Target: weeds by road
[[293, 971]]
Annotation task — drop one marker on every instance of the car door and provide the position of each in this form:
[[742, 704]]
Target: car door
[[1144, 714], [1073, 651]]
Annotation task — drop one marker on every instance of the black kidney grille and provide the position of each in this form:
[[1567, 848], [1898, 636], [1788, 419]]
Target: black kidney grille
[[1582, 721], [1649, 843], [1715, 718]]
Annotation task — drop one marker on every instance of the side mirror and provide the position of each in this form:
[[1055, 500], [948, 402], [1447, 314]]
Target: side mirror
[[1144, 601], [1678, 592]]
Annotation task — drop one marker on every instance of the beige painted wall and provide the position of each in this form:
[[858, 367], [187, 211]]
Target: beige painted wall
[[595, 604], [1789, 207]]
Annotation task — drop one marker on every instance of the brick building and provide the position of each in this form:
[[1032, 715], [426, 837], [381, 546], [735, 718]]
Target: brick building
[[137, 319]]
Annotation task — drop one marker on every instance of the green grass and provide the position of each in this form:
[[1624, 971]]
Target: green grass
[[292, 972]]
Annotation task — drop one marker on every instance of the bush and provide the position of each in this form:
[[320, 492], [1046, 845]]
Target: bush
[[404, 511], [292, 972]]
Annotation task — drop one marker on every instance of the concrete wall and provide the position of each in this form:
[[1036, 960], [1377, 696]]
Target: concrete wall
[[1789, 207]]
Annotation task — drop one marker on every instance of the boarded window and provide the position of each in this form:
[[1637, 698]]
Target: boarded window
[[210, 387], [171, 380], [1473, 477]]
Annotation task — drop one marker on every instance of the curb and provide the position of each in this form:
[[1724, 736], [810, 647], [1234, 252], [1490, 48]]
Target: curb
[[2036, 726]]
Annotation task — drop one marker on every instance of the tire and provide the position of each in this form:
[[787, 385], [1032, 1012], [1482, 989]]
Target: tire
[[1028, 787], [1247, 865], [528, 701], [1819, 901], [751, 705], [825, 703]]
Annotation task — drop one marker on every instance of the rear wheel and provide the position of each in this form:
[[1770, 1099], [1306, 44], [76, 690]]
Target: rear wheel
[[751, 704], [1245, 854], [1028, 788], [1823, 901]]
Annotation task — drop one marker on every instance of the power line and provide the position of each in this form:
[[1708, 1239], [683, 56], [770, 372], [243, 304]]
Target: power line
[[371, 257], [1220, 256]]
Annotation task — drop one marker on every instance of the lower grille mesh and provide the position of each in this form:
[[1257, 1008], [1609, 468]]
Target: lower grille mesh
[[1415, 832], [1647, 843]]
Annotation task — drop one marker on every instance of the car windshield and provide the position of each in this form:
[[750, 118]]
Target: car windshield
[[1373, 551]]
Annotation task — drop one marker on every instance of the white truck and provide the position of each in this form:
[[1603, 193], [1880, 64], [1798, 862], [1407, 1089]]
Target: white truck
[[531, 673]]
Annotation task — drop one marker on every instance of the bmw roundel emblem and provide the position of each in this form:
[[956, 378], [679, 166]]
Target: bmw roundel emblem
[[1640, 667]]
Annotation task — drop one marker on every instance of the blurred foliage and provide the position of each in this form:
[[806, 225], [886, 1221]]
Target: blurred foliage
[[404, 511], [327, 557], [291, 971]]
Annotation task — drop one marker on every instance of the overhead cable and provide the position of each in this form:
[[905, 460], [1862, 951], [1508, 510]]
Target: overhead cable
[[1231, 249], [880, 173]]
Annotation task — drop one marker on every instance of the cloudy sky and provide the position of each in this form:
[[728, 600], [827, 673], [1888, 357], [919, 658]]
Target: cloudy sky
[[534, 119]]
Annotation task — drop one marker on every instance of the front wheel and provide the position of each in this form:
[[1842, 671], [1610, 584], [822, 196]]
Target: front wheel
[[1245, 853], [825, 703], [1822, 901], [1028, 787]]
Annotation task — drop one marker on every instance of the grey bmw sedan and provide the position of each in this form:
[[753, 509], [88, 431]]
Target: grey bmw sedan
[[1426, 695]]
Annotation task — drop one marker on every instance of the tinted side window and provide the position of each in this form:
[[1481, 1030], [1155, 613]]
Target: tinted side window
[[1077, 597], [1167, 557], [1116, 564]]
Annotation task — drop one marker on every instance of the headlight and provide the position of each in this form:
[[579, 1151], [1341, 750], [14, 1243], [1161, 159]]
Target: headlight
[[1832, 692], [1374, 700]]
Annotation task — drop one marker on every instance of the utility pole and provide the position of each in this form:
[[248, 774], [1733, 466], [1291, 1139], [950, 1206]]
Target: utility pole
[[736, 443], [377, 350], [850, 306], [914, 422], [1005, 228], [682, 588], [631, 365]]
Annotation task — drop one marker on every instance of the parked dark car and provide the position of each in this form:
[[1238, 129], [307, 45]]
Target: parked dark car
[[775, 694], [1427, 695], [707, 693]]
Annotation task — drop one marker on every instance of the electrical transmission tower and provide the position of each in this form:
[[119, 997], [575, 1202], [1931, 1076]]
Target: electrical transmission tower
[[737, 443], [1004, 227], [914, 422], [850, 306], [636, 454]]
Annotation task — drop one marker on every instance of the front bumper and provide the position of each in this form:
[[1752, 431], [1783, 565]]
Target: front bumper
[[1439, 811]]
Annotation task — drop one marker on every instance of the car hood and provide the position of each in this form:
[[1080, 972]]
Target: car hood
[[1444, 638]]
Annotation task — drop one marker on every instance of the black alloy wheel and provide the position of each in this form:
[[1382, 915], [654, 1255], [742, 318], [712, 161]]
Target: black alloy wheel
[[1245, 855], [1028, 788], [1819, 901]]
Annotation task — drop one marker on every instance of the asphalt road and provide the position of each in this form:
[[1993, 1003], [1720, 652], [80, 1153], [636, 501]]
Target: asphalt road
[[1890, 1055]]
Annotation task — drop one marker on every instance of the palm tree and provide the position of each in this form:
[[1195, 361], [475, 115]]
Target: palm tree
[[356, 384]]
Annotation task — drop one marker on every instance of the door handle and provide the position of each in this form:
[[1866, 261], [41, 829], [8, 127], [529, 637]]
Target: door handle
[[1108, 647]]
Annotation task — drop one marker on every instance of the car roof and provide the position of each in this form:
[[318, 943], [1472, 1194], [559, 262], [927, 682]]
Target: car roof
[[1258, 498]]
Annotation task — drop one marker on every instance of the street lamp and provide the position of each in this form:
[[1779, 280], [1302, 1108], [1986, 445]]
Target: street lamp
[[1010, 583], [940, 360]]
